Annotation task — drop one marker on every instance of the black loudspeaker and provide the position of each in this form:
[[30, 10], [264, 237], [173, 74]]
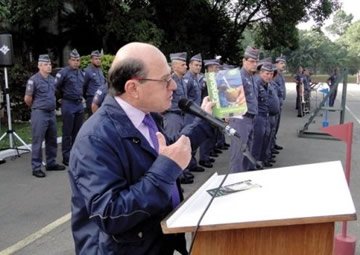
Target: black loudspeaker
[[6, 50]]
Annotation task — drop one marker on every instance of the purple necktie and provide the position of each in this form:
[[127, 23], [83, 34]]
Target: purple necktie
[[150, 123]]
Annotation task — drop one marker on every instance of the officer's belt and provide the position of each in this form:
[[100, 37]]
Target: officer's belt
[[249, 115], [73, 100], [263, 114], [43, 110]]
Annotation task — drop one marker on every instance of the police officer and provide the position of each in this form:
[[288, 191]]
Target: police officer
[[307, 90], [99, 97], [191, 79], [261, 123], [206, 151], [298, 78], [93, 79], [245, 125], [69, 84], [279, 81], [332, 82], [40, 96], [274, 111], [174, 118], [193, 87]]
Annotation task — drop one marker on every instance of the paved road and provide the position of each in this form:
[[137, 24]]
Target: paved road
[[28, 205]]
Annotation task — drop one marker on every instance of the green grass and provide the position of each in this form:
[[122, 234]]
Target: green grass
[[23, 130], [320, 78]]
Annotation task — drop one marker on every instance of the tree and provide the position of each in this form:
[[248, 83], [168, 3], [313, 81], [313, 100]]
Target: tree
[[274, 22], [210, 27], [4, 12], [350, 40], [341, 21], [317, 52]]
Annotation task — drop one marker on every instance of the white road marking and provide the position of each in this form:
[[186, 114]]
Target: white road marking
[[34, 236], [352, 114]]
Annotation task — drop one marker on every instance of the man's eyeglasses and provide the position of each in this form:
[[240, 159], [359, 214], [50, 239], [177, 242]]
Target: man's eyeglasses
[[252, 61], [167, 80]]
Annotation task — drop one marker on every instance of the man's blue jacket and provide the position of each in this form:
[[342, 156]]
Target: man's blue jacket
[[121, 188]]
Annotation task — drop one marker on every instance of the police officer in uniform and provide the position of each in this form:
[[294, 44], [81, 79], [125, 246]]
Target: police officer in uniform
[[262, 123], [174, 118], [206, 151], [298, 78], [275, 103], [99, 97], [245, 125], [40, 96], [191, 80], [279, 81], [69, 84], [331, 81], [93, 79]]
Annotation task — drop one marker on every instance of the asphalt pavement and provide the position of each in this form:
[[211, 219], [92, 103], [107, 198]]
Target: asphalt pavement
[[34, 213]]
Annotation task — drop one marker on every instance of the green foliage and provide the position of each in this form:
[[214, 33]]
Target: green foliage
[[106, 61], [23, 129], [17, 78], [320, 78], [341, 21], [4, 12], [350, 41], [209, 27]]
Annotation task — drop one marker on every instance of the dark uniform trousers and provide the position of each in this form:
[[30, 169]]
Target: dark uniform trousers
[[73, 116], [43, 126], [245, 128]]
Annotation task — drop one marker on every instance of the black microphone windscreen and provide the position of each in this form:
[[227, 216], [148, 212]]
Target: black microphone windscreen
[[184, 104]]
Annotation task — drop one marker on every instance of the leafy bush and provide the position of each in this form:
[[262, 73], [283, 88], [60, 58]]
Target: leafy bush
[[321, 78], [17, 78], [106, 61]]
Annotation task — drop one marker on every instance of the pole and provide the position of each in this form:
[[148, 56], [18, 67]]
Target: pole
[[347, 169], [345, 244], [343, 96], [8, 110], [10, 132]]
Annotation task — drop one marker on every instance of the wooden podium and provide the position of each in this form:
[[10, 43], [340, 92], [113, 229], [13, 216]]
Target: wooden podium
[[292, 212]]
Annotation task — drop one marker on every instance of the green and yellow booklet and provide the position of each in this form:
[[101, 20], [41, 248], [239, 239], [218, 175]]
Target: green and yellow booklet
[[224, 88]]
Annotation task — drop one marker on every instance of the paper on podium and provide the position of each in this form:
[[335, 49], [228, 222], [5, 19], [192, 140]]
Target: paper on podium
[[297, 194]]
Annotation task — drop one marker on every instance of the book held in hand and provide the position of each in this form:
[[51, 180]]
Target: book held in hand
[[224, 88]]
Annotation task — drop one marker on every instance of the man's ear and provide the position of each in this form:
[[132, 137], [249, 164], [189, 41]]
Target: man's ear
[[131, 88]]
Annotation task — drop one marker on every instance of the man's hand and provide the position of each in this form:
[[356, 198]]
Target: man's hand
[[241, 96], [180, 151], [207, 105]]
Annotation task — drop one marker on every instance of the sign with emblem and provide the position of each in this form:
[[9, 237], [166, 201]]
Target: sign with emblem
[[6, 50]]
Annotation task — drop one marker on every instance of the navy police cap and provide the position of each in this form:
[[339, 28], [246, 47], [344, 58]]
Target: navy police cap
[[251, 52], [44, 58], [74, 54], [197, 57], [178, 56]]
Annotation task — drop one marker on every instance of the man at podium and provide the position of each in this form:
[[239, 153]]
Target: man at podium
[[123, 177]]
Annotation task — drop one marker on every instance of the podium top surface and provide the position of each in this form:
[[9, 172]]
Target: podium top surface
[[302, 194]]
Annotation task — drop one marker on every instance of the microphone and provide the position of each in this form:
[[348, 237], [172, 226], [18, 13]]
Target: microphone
[[189, 106]]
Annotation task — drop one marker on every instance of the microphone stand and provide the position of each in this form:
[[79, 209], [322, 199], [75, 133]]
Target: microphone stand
[[245, 150], [10, 132]]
